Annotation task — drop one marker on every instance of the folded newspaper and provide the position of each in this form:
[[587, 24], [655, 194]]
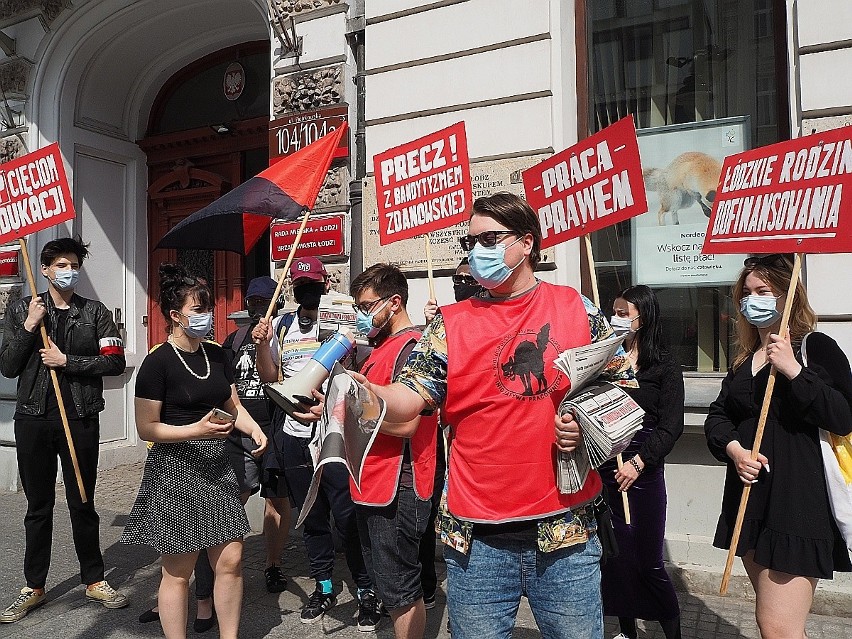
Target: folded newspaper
[[346, 431], [608, 416]]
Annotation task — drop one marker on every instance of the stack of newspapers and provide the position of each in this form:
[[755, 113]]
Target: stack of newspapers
[[608, 417]]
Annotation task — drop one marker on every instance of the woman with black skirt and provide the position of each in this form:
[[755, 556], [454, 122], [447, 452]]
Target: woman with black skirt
[[189, 499], [635, 584], [789, 540]]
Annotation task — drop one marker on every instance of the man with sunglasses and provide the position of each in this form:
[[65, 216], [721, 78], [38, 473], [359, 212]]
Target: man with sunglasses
[[487, 362], [284, 346]]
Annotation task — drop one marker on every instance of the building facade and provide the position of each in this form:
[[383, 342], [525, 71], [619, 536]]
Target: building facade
[[161, 106]]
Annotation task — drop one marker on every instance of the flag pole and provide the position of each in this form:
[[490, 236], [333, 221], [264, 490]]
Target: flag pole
[[62, 414], [596, 299], [761, 424], [428, 241], [289, 261]]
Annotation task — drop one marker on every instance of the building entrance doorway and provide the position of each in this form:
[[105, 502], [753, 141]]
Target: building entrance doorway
[[224, 144]]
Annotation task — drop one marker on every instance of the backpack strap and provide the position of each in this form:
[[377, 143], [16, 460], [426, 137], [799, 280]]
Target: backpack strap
[[240, 338], [804, 350], [283, 328]]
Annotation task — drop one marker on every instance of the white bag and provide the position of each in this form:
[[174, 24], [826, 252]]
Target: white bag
[[834, 449]]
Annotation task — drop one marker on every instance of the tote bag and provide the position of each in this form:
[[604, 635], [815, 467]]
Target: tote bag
[[837, 462]]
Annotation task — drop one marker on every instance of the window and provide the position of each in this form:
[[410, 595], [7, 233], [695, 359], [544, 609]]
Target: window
[[679, 62]]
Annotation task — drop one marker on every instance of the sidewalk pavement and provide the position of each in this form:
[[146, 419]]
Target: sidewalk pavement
[[135, 570]]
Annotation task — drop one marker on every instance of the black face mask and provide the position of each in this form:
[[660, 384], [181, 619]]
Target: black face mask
[[464, 291], [256, 311], [308, 295]]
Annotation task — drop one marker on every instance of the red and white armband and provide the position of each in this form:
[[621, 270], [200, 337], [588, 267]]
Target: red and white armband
[[111, 346]]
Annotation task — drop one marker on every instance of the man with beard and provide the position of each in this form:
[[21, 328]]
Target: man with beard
[[266, 473], [284, 346]]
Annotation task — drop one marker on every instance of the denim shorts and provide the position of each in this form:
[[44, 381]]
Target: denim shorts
[[390, 539], [563, 587]]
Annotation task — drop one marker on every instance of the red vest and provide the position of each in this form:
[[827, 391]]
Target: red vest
[[380, 473], [503, 392]]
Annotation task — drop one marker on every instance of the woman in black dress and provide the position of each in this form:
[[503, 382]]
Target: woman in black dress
[[635, 585], [789, 539], [189, 499]]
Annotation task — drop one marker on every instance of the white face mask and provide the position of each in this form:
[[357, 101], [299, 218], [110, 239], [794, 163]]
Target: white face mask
[[623, 324]]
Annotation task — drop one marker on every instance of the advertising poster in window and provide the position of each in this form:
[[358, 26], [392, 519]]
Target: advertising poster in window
[[681, 165]]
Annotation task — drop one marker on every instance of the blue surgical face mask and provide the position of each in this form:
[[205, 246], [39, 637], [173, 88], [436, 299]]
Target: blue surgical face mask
[[622, 324], [199, 325], [364, 321], [488, 266], [760, 310], [65, 279]]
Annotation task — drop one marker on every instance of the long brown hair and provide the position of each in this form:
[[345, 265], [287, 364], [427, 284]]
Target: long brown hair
[[776, 270]]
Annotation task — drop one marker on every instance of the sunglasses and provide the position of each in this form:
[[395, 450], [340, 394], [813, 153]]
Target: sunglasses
[[462, 280], [486, 239], [775, 260], [366, 307]]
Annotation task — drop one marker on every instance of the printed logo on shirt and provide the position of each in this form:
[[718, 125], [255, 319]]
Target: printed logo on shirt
[[246, 377], [523, 364]]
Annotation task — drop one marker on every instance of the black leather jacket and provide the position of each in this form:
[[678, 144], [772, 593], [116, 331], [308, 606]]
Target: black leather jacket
[[88, 322]]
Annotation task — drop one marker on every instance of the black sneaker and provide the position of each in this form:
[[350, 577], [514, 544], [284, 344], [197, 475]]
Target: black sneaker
[[275, 579], [369, 614], [429, 601], [317, 604]]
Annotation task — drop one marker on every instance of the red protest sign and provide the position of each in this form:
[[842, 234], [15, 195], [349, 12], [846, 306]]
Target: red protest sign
[[423, 185], [786, 198], [322, 237], [34, 194], [588, 186]]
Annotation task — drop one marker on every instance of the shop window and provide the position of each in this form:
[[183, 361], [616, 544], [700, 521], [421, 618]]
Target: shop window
[[702, 81]]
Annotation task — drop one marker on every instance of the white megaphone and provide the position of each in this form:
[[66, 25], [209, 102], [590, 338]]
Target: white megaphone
[[293, 395]]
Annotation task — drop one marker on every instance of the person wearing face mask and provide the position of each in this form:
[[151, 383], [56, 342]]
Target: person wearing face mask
[[393, 504], [84, 346], [635, 584], [488, 363], [189, 499], [789, 539], [284, 346], [464, 287]]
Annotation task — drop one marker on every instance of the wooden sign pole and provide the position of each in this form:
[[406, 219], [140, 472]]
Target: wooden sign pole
[[287, 264], [63, 415], [596, 299], [761, 424], [428, 241]]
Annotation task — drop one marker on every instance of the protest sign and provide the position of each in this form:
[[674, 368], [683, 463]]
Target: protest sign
[[786, 198], [34, 194], [588, 186], [423, 185]]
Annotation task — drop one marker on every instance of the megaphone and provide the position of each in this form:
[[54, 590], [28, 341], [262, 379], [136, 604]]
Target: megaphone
[[293, 395]]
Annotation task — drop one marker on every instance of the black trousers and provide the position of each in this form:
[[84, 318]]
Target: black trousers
[[39, 442], [333, 499]]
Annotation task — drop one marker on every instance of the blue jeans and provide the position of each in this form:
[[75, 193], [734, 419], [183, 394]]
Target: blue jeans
[[563, 588]]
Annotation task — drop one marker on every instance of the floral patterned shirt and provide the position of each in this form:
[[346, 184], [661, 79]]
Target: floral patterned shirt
[[425, 372]]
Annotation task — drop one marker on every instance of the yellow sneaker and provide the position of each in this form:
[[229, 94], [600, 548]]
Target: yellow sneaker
[[28, 600], [104, 594]]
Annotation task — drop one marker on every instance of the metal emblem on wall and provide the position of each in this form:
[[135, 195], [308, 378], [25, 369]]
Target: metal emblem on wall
[[234, 81], [487, 177]]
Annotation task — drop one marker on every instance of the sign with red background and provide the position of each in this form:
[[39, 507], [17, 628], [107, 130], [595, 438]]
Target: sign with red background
[[34, 194], [423, 185], [9, 263], [323, 237], [790, 197], [589, 186]]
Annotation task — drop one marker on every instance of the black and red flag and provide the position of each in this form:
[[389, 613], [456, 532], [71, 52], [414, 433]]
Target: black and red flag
[[236, 221]]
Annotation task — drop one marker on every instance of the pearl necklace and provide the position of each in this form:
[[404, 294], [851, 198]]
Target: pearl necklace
[[186, 366]]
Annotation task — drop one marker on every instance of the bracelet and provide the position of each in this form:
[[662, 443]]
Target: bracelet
[[633, 463]]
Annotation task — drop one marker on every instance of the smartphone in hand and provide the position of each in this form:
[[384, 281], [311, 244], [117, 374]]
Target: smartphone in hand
[[220, 416]]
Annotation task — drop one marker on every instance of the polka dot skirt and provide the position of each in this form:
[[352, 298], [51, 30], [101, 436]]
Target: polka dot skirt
[[188, 500]]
